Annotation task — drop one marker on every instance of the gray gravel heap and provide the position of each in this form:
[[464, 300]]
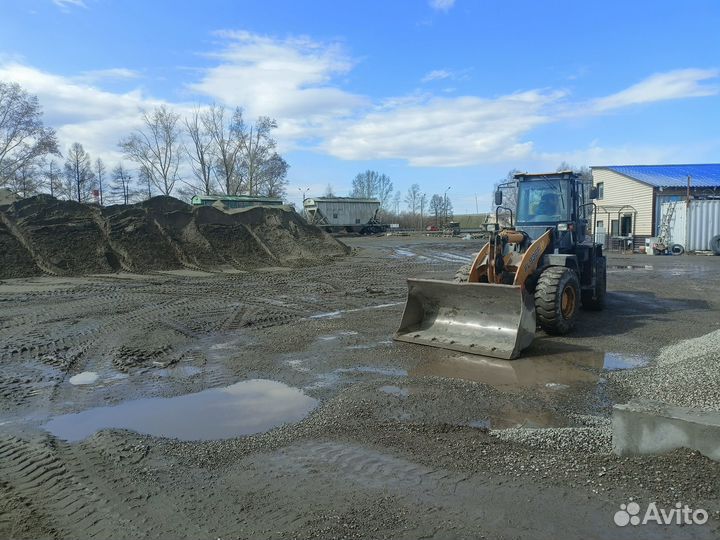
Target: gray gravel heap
[[685, 374]]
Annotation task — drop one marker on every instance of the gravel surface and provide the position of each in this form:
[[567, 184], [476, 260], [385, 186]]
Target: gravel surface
[[685, 374], [398, 446]]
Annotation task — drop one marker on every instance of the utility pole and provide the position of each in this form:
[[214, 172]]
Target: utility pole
[[446, 205]]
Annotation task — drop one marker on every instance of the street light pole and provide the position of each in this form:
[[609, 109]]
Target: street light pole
[[446, 205]]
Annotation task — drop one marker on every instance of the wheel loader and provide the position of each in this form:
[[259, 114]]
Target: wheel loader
[[535, 272]]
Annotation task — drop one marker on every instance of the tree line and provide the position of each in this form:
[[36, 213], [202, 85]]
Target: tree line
[[212, 151], [413, 209]]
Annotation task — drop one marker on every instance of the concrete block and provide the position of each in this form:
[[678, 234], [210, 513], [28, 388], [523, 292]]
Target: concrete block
[[651, 427]]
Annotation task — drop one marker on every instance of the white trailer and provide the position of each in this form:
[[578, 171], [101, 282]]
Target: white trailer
[[344, 214]]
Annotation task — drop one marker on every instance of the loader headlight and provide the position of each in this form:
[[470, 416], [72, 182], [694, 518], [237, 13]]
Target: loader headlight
[[562, 227], [491, 227]]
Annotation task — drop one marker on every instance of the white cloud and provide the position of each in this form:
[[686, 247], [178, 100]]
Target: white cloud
[[290, 80], [597, 154], [436, 75], [442, 132], [69, 3], [441, 5], [678, 84], [298, 82], [81, 112]]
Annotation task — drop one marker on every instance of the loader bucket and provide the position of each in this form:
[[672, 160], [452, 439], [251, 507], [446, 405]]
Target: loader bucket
[[475, 318]]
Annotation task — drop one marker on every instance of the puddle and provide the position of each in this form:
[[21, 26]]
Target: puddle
[[630, 267], [244, 408], [333, 378], [340, 312], [515, 418], [395, 391], [339, 335], [403, 253], [86, 377], [555, 372], [453, 257], [615, 361], [388, 372], [181, 372]]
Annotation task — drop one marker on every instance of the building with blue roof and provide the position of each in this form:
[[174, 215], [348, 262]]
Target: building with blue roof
[[630, 196]]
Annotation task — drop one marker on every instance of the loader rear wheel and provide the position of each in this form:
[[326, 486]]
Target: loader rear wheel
[[557, 297]]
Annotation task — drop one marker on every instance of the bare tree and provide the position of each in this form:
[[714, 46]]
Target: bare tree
[[157, 148], [121, 188], [256, 149], [79, 175], [226, 144], [145, 182], [272, 177], [329, 191], [25, 181], [51, 172], [100, 172], [437, 207], [372, 184], [23, 137], [412, 199], [509, 191], [201, 151], [396, 202]]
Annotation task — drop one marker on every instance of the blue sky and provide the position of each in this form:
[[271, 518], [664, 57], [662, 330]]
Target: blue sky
[[436, 92]]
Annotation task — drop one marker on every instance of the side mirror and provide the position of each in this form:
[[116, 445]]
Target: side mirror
[[594, 192], [498, 197]]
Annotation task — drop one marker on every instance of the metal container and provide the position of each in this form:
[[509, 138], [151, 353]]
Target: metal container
[[693, 226]]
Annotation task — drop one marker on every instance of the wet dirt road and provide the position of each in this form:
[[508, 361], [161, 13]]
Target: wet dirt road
[[274, 404]]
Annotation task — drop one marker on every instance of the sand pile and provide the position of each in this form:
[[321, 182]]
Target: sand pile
[[43, 235]]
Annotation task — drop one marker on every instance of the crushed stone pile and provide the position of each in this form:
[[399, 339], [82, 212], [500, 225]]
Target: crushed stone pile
[[686, 374], [44, 235]]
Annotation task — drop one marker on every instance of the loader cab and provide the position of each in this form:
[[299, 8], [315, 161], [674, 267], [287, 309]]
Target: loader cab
[[544, 202], [551, 200]]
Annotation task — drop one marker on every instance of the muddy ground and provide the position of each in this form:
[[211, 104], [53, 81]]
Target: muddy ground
[[382, 440]]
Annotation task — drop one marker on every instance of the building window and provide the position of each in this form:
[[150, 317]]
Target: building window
[[357, 222], [600, 224], [334, 216], [614, 229], [600, 190]]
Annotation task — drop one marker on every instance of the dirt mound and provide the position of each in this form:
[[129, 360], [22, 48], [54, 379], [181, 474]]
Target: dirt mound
[[45, 235]]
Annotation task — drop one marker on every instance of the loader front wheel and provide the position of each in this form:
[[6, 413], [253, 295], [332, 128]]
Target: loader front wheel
[[557, 297], [463, 275]]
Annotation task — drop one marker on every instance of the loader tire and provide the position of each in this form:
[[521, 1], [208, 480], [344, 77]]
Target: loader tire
[[557, 297], [715, 244], [463, 275], [597, 303]]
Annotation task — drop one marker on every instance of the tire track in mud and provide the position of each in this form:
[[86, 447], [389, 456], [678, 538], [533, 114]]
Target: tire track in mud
[[366, 467], [76, 488], [109, 325]]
